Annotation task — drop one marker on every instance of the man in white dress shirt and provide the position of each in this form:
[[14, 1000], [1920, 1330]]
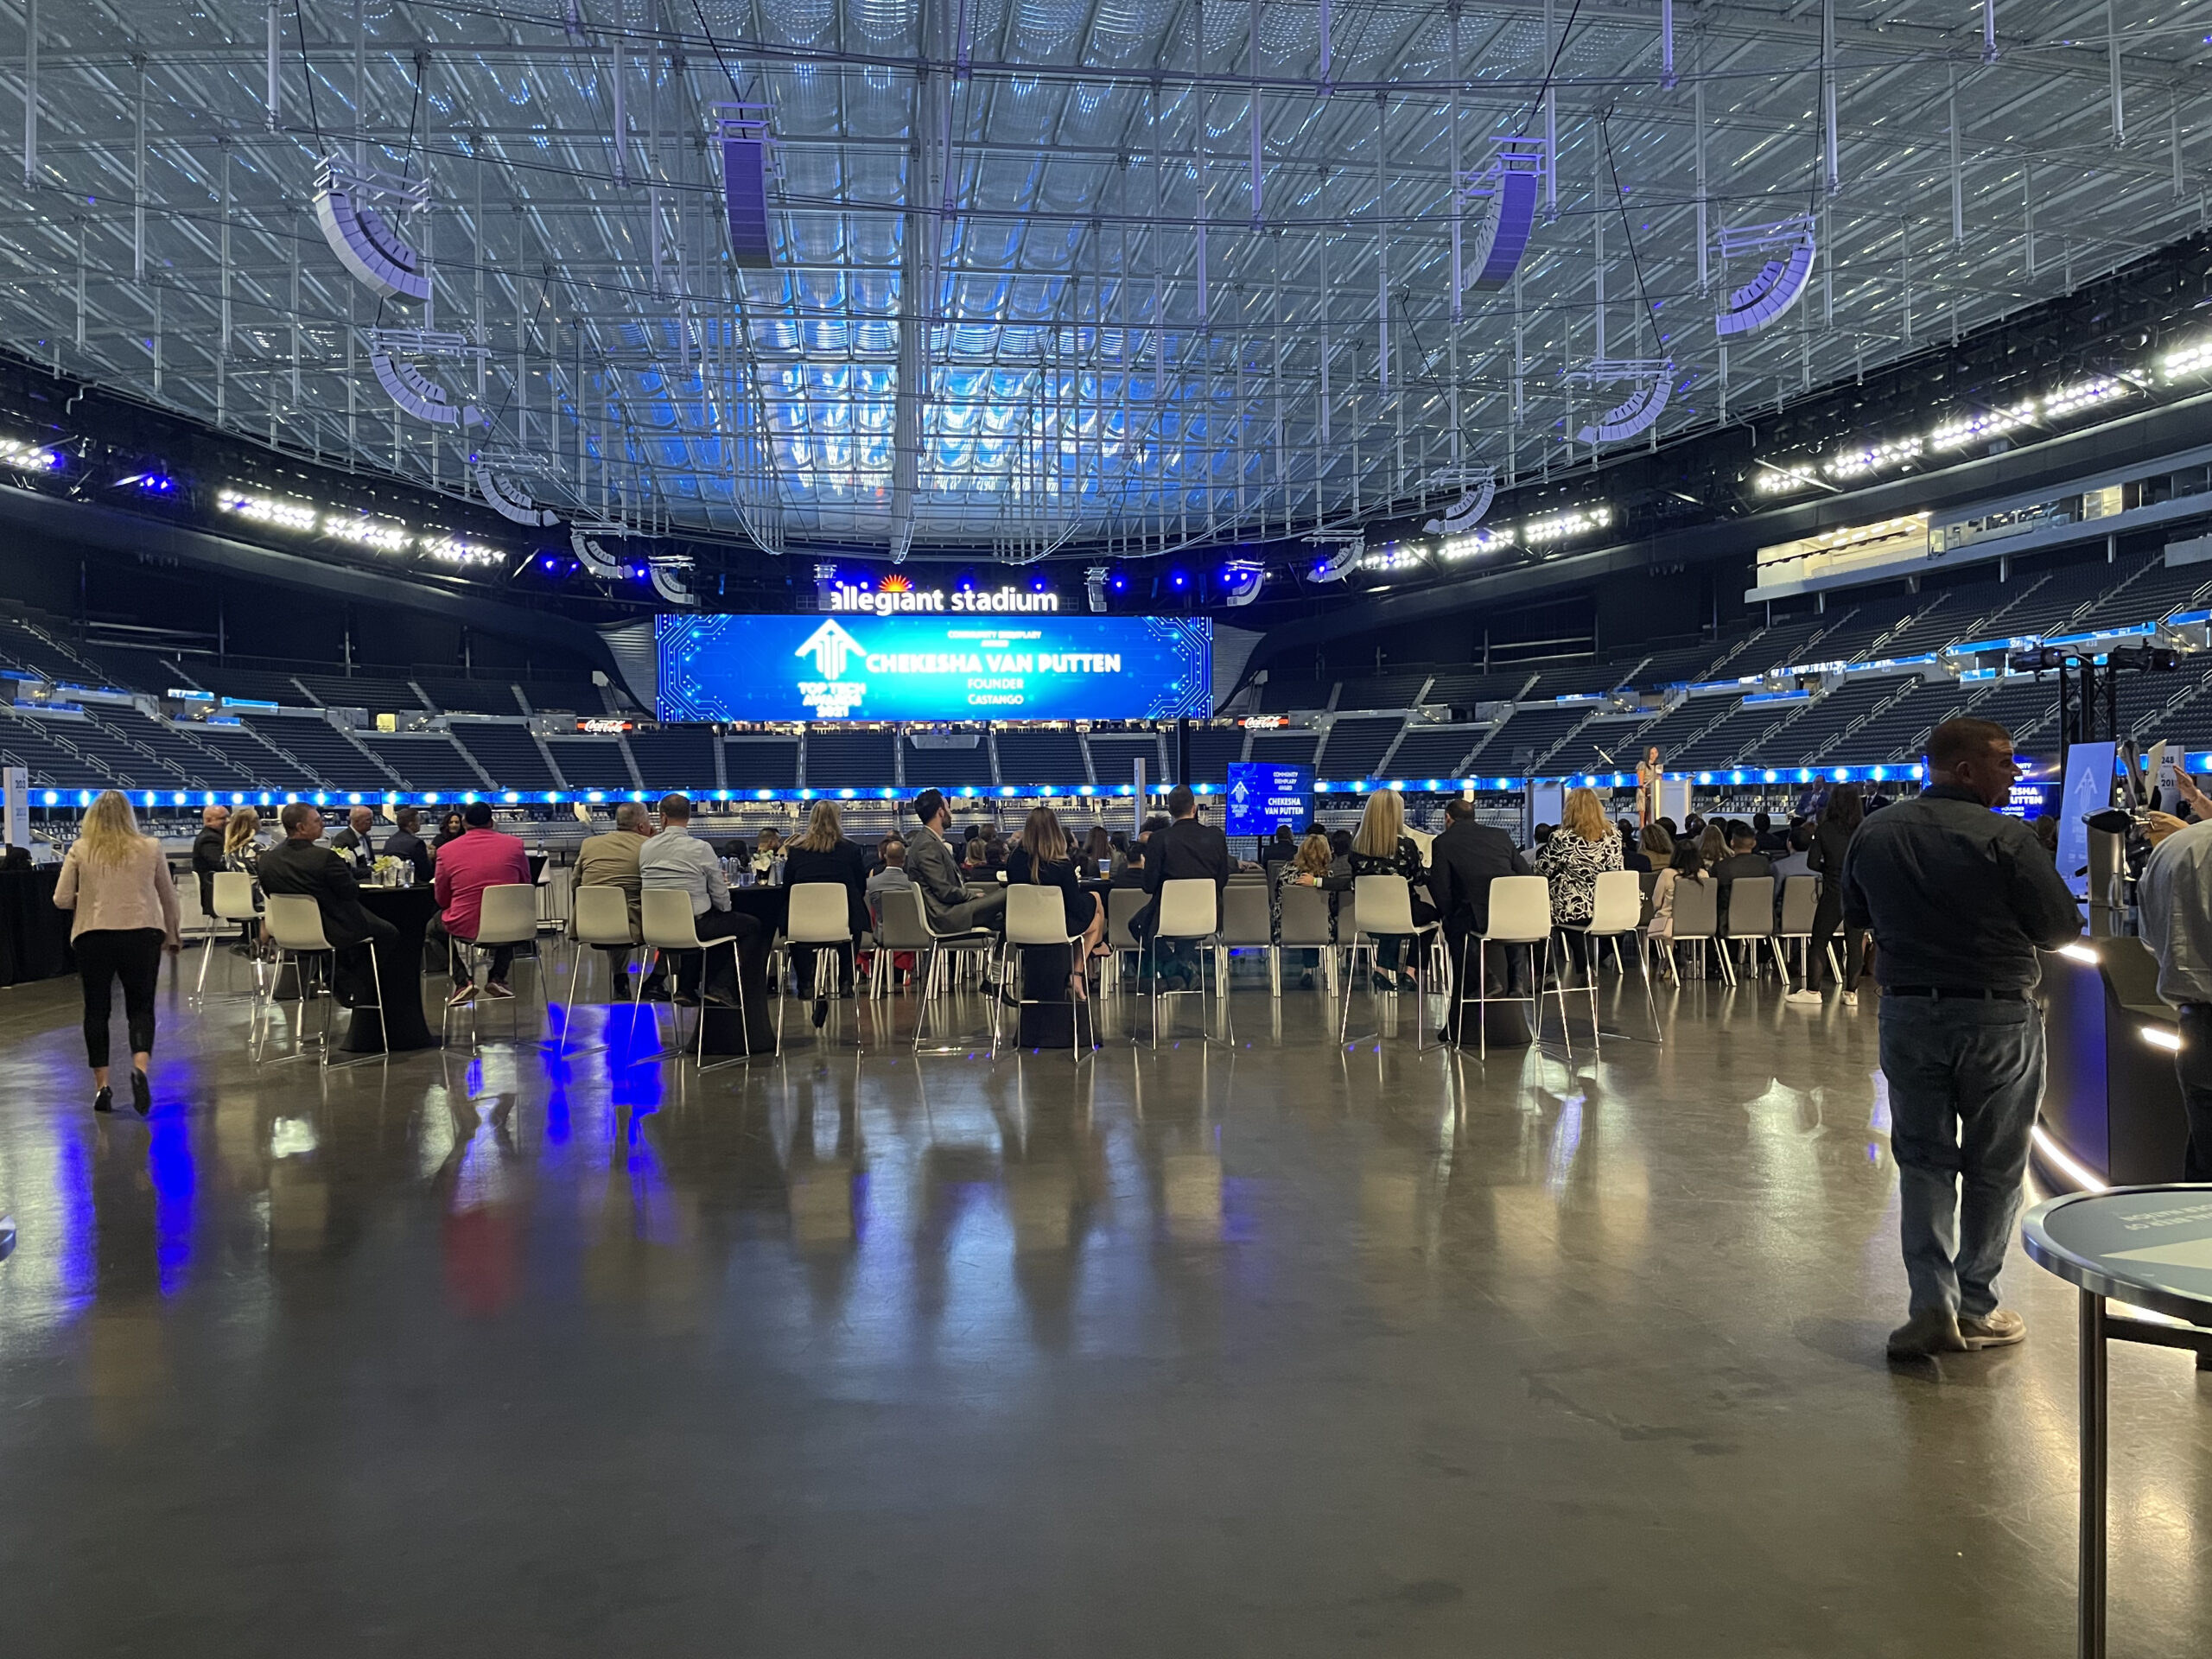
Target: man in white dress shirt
[[677, 858]]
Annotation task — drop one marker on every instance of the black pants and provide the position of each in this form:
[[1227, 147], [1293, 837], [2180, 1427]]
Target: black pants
[[2193, 1065], [802, 967], [132, 955], [1827, 917], [353, 977]]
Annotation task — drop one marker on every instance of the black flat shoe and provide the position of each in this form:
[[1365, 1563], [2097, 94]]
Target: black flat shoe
[[142, 1093], [104, 1100]]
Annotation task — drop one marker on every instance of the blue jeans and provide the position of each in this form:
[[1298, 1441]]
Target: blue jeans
[[1965, 1080]]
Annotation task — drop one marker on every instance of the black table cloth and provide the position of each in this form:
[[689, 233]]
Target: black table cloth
[[34, 934], [399, 966], [769, 906]]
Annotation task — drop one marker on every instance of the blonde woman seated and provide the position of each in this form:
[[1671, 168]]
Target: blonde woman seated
[[1382, 848], [1044, 857], [1308, 867], [1583, 848]]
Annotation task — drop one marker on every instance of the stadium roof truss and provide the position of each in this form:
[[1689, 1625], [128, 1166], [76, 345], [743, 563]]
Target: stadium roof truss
[[1111, 274]]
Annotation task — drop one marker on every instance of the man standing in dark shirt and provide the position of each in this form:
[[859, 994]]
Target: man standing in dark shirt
[[1959, 899], [1462, 863], [1185, 850]]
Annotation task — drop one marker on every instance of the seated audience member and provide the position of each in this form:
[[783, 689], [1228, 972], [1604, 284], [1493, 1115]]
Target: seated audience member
[[1712, 844], [2046, 829], [1129, 873], [1633, 856], [891, 869], [1463, 862], [1768, 839], [995, 855], [207, 854], [353, 840], [610, 861], [1187, 850], [1099, 853], [451, 828], [484, 857], [1686, 864], [1120, 843], [1045, 857], [405, 843], [1340, 854], [1580, 850], [297, 865], [975, 858], [1280, 848], [1659, 844], [1795, 861], [17, 858], [242, 842], [1742, 859], [930, 866], [1381, 848], [823, 854], [676, 860], [1309, 867]]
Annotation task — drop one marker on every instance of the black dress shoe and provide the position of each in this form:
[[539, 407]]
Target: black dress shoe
[[142, 1093], [104, 1100]]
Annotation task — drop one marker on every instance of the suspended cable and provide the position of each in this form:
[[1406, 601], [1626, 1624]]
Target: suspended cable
[[1550, 70]]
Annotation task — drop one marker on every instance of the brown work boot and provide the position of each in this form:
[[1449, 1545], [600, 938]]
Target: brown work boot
[[1929, 1332], [1999, 1328]]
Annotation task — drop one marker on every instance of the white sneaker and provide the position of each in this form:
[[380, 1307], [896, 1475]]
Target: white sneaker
[[1851, 999], [1805, 998]]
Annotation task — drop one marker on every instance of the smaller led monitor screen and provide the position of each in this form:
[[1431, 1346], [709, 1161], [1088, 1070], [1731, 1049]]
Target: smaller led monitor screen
[[2089, 788], [1263, 797]]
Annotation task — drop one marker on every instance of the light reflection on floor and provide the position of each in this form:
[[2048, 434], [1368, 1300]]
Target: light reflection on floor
[[1264, 1347]]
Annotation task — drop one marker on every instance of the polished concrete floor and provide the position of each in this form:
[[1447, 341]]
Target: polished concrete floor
[[1271, 1348]]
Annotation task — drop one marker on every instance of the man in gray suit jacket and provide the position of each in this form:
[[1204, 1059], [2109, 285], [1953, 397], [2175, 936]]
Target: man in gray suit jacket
[[930, 865]]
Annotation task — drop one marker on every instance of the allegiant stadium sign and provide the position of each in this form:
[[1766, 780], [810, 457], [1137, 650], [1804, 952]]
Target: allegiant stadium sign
[[936, 601]]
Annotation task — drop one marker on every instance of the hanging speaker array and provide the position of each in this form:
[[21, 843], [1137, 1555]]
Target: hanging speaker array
[[366, 243], [748, 164], [1654, 380], [509, 499], [1781, 282], [389, 352], [1477, 488], [1512, 184]]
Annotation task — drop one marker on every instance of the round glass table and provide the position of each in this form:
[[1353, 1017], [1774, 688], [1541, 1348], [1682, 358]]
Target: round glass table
[[2150, 1247]]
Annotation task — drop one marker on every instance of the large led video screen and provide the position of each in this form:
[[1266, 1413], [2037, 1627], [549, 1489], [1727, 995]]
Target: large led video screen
[[935, 667]]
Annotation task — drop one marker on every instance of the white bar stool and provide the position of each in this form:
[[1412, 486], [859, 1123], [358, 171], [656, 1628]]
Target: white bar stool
[[599, 919], [295, 924], [1037, 915], [669, 926]]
